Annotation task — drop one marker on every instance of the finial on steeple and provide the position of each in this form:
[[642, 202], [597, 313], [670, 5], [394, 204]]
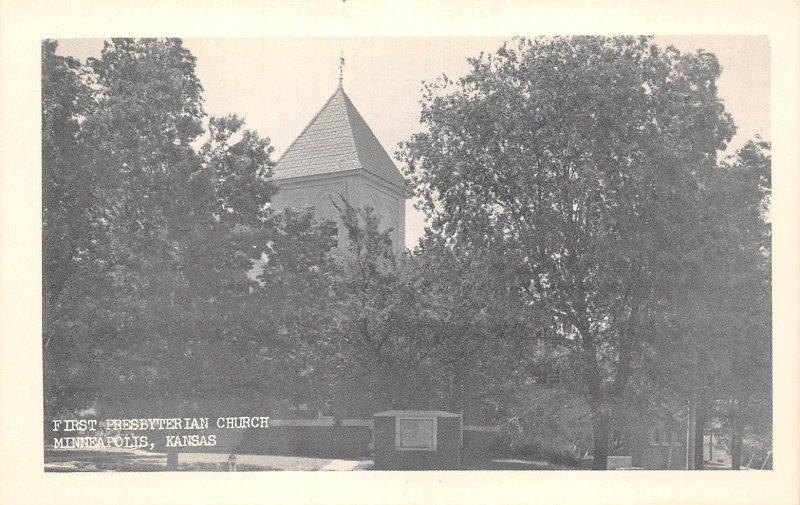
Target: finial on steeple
[[341, 68]]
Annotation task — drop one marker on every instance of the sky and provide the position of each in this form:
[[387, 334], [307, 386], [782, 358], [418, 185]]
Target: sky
[[278, 84]]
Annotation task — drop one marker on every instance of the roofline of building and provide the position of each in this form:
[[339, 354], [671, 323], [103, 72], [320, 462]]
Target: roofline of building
[[407, 193], [363, 167], [308, 125]]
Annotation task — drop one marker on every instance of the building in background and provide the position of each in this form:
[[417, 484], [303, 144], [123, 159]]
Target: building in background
[[337, 156]]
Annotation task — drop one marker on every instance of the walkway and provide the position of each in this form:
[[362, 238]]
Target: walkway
[[274, 462]]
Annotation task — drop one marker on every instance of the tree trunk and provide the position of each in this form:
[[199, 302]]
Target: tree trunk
[[699, 429], [737, 432], [451, 393], [691, 419], [600, 430], [462, 396], [172, 459], [596, 397], [711, 446], [455, 391], [671, 449]]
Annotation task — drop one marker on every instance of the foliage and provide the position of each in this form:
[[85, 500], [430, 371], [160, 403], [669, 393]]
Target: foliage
[[433, 329], [719, 330], [387, 331], [738, 370], [68, 220], [295, 299], [580, 157], [549, 419], [581, 224], [66, 186], [159, 311]]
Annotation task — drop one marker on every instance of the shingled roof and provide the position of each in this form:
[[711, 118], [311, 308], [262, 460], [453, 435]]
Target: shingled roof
[[337, 140]]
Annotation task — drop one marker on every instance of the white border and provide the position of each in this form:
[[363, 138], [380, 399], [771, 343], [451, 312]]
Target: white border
[[23, 23]]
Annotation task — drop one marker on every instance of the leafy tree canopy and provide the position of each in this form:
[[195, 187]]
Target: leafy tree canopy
[[579, 156]]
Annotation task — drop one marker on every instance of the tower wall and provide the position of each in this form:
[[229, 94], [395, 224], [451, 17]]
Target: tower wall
[[388, 203], [359, 189]]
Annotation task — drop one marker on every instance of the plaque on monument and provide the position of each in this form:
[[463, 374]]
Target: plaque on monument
[[415, 433], [417, 440]]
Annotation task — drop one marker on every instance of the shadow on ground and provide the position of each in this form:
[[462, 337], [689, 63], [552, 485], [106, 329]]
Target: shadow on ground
[[143, 461], [471, 461]]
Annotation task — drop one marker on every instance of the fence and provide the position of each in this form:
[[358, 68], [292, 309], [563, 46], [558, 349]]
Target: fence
[[350, 438]]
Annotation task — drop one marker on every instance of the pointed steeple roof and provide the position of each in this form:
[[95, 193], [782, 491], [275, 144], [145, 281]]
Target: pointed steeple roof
[[337, 140]]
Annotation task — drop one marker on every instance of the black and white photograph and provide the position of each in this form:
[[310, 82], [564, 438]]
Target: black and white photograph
[[534, 253], [478, 257]]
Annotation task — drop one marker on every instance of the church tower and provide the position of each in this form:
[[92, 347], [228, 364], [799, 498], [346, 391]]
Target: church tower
[[335, 156]]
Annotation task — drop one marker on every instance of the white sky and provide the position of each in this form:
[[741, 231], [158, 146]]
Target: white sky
[[278, 84]]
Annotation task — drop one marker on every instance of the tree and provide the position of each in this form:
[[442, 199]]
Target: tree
[[137, 314], [432, 329], [161, 297], [580, 157], [738, 196], [67, 220], [385, 330], [484, 326], [719, 328], [149, 110], [748, 377], [296, 328]]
